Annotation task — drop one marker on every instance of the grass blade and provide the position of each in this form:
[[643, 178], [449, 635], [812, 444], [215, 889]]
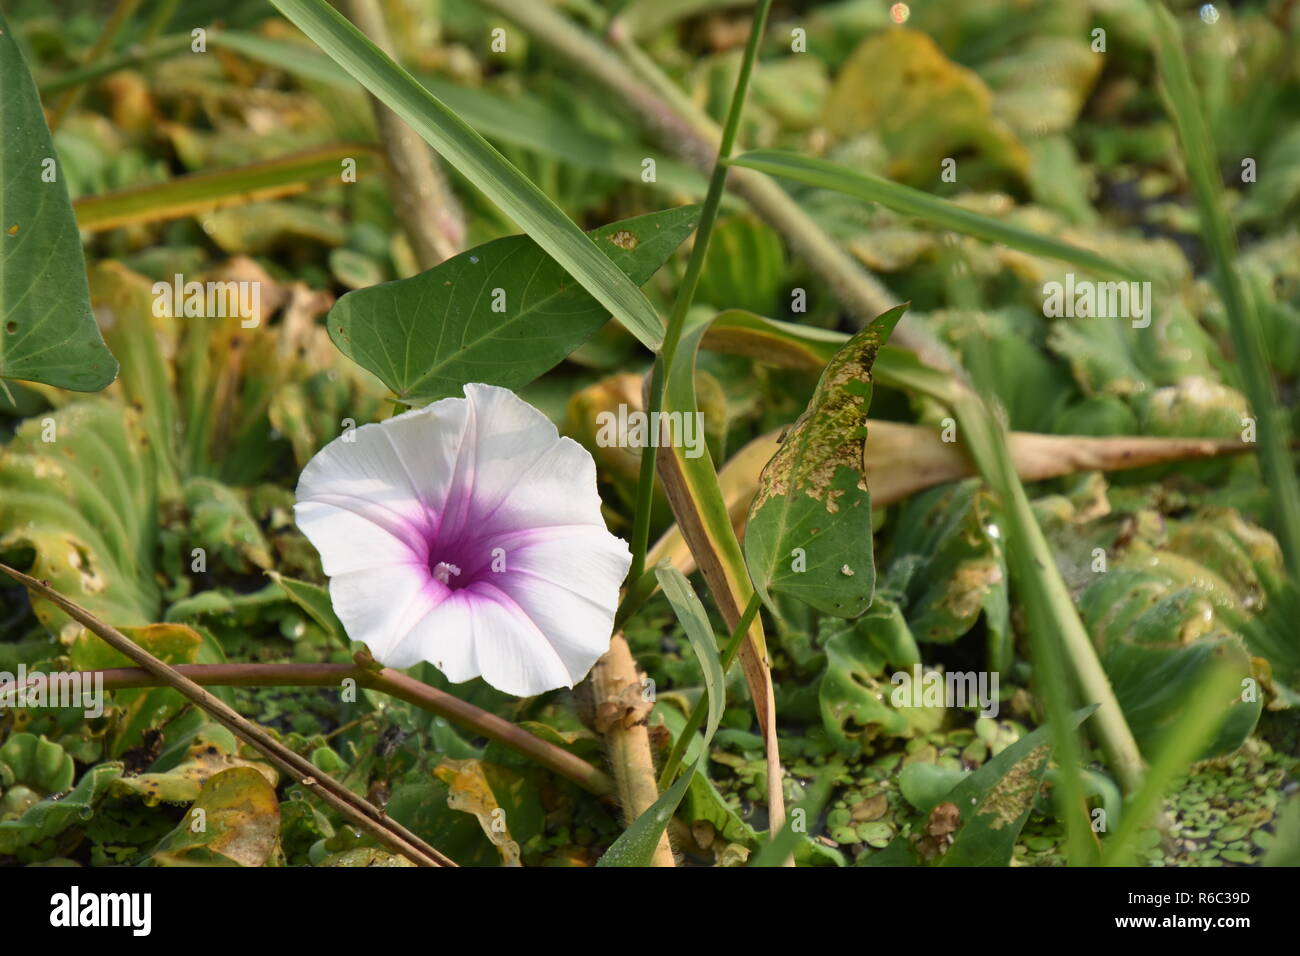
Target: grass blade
[[1185, 742], [218, 188], [479, 162], [636, 846], [1243, 322], [914, 202]]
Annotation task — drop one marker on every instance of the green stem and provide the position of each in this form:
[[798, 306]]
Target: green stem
[[691, 135], [644, 585], [1243, 325], [701, 706], [689, 283], [123, 13]]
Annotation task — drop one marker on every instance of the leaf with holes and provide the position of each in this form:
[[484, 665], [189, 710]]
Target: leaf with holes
[[809, 532], [47, 331]]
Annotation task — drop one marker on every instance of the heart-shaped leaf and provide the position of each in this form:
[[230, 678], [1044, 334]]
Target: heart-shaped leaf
[[502, 313], [47, 331], [809, 533]]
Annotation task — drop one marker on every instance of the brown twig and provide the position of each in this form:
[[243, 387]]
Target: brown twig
[[365, 814], [422, 201]]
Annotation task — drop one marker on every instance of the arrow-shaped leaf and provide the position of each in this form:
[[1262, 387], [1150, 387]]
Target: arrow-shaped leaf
[[502, 313], [809, 532], [47, 331]]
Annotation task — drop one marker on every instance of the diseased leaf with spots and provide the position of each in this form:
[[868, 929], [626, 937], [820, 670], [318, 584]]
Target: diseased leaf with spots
[[502, 313], [809, 532], [47, 331], [234, 822], [978, 821]]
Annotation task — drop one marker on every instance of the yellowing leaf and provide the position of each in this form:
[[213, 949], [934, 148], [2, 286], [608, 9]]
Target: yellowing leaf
[[899, 86], [470, 792]]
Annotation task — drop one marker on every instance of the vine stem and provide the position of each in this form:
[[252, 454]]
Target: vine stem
[[393, 683]]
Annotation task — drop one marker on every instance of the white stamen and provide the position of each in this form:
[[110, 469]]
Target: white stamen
[[443, 571]]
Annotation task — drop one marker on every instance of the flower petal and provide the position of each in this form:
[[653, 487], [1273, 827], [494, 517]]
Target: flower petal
[[479, 631], [379, 606], [568, 586], [524, 472]]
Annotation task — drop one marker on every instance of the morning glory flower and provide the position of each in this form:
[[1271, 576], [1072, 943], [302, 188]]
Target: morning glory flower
[[468, 534]]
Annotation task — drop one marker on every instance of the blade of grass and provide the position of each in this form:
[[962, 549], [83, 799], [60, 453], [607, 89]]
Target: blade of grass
[[1184, 742], [476, 159], [1274, 431], [696, 717], [219, 188], [922, 205], [636, 846]]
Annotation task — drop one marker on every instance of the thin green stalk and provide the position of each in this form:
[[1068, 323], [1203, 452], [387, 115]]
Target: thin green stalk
[[686, 291], [1049, 610], [1183, 743], [698, 712], [644, 585], [123, 13], [150, 51], [691, 135], [1243, 325]]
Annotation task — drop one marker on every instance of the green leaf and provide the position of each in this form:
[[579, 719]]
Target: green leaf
[[853, 693], [428, 335], [945, 561], [47, 331], [989, 807], [79, 490], [479, 162], [809, 531], [922, 205], [636, 846], [52, 816], [315, 601]]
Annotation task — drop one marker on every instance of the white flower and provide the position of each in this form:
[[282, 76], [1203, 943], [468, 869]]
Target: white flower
[[467, 534]]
